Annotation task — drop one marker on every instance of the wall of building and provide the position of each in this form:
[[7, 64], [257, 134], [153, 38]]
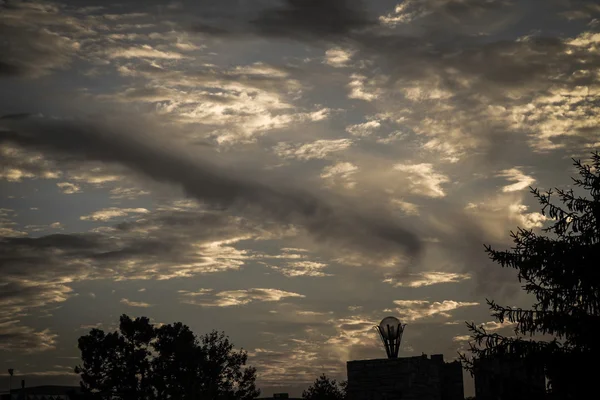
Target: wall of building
[[407, 378], [508, 379]]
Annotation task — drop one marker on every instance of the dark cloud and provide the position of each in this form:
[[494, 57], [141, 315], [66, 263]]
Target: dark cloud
[[352, 229], [27, 47], [297, 19], [313, 18], [16, 337], [448, 40]]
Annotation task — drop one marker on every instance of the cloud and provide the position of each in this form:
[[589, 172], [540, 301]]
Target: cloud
[[25, 288], [231, 298], [7, 224], [138, 304], [492, 326], [413, 310], [20, 338], [448, 12], [17, 164], [234, 105], [407, 207], [427, 279], [366, 232], [40, 228], [341, 172], [302, 268], [34, 49], [69, 188], [37, 271], [363, 89], [364, 129], [423, 180], [338, 57], [308, 151], [521, 181], [499, 214], [111, 213], [127, 193], [300, 19], [144, 51]]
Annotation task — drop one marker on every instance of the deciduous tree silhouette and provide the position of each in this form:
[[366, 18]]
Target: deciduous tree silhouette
[[141, 361], [561, 268], [325, 389]]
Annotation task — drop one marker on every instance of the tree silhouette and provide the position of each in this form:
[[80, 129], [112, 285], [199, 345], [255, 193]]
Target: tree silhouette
[[141, 361], [324, 388], [561, 268]]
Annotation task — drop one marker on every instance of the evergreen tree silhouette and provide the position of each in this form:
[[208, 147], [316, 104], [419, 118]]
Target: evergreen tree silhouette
[[561, 268]]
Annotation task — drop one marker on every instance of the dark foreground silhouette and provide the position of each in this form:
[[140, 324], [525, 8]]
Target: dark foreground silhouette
[[141, 361], [561, 268]]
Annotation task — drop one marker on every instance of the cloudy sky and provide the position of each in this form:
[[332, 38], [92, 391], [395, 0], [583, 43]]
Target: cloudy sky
[[288, 171]]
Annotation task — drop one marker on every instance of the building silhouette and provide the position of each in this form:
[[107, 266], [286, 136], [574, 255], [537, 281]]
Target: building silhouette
[[505, 378], [405, 378], [47, 392]]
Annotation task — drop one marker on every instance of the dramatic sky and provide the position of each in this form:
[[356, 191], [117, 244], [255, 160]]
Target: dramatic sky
[[288, 171]]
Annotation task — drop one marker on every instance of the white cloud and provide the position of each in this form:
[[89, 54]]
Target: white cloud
[[96, 176], [127, 193], [302, 268], [423, 180], [363, 89], [342, 171], [492, 326], [521, 181], [412, 310], [17, 164], [69, 188], [428, 278], [111, 213], [499, 214], [315, 150], [231, 298], [364, 129], [462, 338], [407, 207], [131, 303], [145, 51], [338, 57]]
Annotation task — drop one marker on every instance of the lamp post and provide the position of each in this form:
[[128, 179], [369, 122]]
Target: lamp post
[[11, 372], [390, 331]]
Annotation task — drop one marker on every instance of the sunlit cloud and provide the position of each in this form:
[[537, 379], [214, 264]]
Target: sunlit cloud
[[302, 268], [521, 181], [364, 129], [111, 213], [138, 304], [423, 180], [69, 188], [315, 150], [338, 57], [413, 310], [427, 279], [229, 298], [341, 172]]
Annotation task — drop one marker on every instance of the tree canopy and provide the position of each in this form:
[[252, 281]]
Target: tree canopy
[[142, 361], [324, 388], [561, 268]]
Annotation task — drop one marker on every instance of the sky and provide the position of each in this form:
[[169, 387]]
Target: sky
[[287, 171]]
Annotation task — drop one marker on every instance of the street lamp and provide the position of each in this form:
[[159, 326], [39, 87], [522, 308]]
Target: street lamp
[[390, 331], [11, 372]]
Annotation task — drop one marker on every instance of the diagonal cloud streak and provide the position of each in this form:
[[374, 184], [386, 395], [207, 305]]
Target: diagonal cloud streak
[[371, 234]]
